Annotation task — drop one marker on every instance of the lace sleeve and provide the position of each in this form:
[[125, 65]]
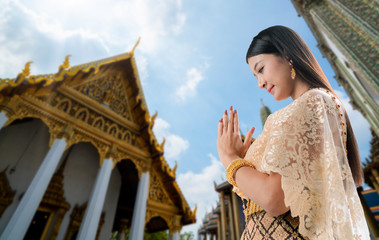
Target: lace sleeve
[[251, 155], [304, 145]]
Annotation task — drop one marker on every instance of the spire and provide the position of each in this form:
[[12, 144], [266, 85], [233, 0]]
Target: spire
[[135, 46], [265, 112]]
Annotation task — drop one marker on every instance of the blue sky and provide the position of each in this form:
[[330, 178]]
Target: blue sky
[[191, 61]]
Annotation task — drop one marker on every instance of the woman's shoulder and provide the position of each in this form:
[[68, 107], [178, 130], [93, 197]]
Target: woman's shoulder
[[323, 96], [320, 93], [313, 98]]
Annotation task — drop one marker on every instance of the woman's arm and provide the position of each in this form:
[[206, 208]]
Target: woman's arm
[[264, 189]]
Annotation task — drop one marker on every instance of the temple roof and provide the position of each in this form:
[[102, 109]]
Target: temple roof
[[124, 63], [64, 70]]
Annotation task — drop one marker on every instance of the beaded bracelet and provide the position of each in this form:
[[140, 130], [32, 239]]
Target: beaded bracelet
[[233, 167]]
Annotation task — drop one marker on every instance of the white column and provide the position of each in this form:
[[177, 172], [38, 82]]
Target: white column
[[22, 217], [176, 235], [90, 222], [139, 213], [3, 119]]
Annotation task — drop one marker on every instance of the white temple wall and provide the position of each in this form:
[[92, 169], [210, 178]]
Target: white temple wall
[[79, 177], [22, 147], [110, 204]]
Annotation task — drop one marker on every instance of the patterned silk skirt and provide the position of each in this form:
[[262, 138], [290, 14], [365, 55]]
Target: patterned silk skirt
[[261, 226]]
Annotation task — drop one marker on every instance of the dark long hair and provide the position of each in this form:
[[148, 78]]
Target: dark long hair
[[284, 42]]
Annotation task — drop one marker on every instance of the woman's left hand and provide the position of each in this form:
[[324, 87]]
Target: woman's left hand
[[229, 142]]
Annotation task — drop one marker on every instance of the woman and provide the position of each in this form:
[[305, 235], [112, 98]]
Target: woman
[[300, 175]]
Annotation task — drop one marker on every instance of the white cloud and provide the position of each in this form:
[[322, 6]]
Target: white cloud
[[55, 30], [198, 188], [188, 89], [45, 31], [142, 64], [161, 129], [174, 146]]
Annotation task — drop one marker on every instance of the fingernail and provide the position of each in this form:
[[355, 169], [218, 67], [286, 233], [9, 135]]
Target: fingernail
[[235, 111], [226, 112]]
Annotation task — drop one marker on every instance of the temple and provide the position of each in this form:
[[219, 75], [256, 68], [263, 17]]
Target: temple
[[79, 159]]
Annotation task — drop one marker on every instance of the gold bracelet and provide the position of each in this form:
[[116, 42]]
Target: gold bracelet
[[233, 167]]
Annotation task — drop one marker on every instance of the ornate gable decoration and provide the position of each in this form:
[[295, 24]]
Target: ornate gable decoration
[[108, 90], [157, 192]]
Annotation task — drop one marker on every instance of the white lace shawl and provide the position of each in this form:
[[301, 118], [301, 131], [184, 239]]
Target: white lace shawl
[[303, 143]]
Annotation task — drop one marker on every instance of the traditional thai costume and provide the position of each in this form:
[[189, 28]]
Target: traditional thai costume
[[305, 142]]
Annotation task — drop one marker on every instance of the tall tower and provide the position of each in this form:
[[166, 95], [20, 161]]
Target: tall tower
[[347, 34], [265, 112]]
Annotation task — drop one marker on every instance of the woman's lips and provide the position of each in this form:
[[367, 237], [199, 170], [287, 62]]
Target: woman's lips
[[270, 90]]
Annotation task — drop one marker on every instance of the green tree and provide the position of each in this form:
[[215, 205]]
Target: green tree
[[156, 236], [187, 236]]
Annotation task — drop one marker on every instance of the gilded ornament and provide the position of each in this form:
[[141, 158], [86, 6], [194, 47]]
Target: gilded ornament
[[135, 46], [69, 112], [54, 198], [108, 91], [26, 71], [194, 210], [152, 119], [175, 167], [153, 213], [82, 114], [65, 64], [156, 190], [161, 146]]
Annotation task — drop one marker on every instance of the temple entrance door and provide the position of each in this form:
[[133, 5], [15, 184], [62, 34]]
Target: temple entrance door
[[39, 225]]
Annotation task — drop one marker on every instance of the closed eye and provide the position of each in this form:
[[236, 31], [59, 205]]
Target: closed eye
[[261, 70]]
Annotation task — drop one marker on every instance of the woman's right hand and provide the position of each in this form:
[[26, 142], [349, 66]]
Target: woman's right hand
[[229, 142]]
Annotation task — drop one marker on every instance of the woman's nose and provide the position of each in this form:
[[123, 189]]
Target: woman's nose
[[261, 83]]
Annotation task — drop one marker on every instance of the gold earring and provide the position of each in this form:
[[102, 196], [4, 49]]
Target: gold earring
[[293, 73]]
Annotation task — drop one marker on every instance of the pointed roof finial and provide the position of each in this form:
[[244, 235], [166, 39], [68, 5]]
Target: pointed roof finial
[[152, 118], [66, 63], [195, 210], [135, 46], [161, 146], [175, 167], [26, 71]]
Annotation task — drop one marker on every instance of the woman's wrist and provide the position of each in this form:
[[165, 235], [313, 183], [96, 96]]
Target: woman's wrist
[[228, 159], [234, 166]]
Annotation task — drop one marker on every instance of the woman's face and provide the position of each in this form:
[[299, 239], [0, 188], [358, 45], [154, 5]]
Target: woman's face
[[273, 74]]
